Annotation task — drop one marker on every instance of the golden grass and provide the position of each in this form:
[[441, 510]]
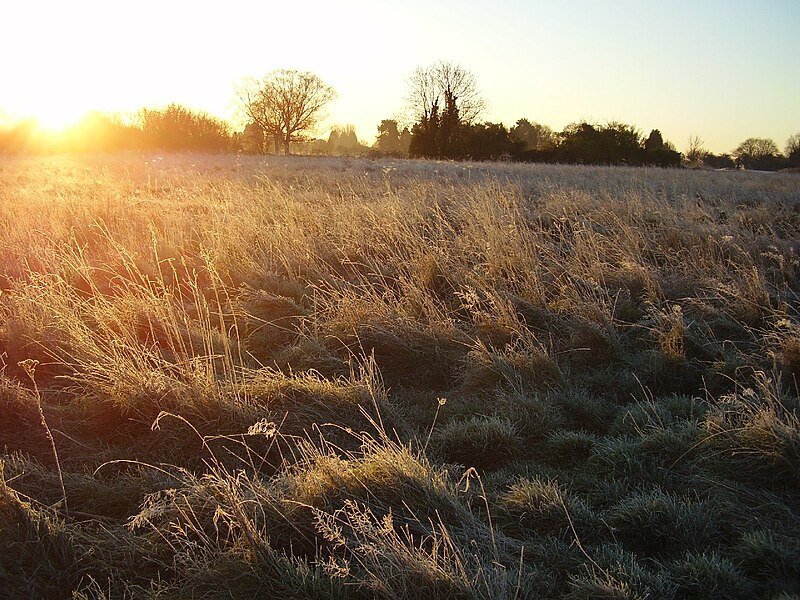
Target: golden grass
[[361, 379]]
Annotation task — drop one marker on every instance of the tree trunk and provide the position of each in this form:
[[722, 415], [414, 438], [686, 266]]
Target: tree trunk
[[287, 134]]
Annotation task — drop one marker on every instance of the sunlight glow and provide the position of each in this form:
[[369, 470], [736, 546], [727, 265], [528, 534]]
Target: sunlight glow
[[56, 118], [624, 61]]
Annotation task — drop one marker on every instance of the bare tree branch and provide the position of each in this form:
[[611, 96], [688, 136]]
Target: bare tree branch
[[432, 88], [286, 104], [695, 152]]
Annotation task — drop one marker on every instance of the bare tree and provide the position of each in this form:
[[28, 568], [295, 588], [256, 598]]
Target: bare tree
[[756, 147], [792, 145], [758, 153], [286, 104], [423, 96], [444, 87], [695, 152], [442, 99]]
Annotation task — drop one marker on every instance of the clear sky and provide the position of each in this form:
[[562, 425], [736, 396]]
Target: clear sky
[[722, 70]]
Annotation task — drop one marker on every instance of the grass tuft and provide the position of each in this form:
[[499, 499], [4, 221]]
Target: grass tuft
[[342, 378]]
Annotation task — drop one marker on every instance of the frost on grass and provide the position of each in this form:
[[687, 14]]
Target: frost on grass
[[242, 364]]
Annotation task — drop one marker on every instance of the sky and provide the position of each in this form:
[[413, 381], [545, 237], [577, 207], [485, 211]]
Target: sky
[[720, 70]]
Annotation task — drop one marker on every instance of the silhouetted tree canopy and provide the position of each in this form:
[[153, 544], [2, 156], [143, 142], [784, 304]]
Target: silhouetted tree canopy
[[443, 98], [657, 152], [489, 141], [405, 141], [534, 136], [252, 139], [424, 138], [388, 141], [441, 85], [179, 128], [343, 141], [792, 150], [654, 142], [718, 161], [603, 145], [695, 153], [613, 144], [759, 154], [286, 104], [284, 107]]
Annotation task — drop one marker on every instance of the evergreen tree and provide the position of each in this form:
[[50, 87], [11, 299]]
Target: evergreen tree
[[425, 135], [654, 142], [388, 140]]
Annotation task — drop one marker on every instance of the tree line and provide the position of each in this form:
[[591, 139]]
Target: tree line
[[445, 103], [282, 110], [172, 128]]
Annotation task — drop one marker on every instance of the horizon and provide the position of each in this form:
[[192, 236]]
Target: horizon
[[723, 71]]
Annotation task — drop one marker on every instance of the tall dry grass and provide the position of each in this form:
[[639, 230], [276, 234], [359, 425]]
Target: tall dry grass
[[347, 378]]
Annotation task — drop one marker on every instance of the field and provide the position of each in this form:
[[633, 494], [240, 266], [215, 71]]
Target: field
[[239, 377]]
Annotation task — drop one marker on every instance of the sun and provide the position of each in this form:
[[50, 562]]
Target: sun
[[53, 113], [57, 117]]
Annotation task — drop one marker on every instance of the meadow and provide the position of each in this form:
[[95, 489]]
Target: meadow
[[253, 377]]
